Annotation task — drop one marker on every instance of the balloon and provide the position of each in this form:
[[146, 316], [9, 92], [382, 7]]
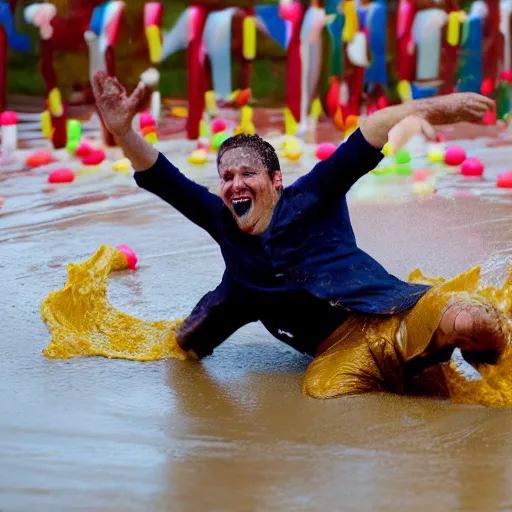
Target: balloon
[[454, 156], [472, 167], [55, 102], [218, 139], [63, 175], [249, 38], [154, 43], [351, 20]]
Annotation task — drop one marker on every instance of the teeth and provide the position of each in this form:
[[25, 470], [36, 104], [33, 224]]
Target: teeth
[[241, 206]]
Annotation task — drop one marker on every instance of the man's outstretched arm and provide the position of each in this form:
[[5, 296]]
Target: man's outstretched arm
[[153, 171], [333, 178]]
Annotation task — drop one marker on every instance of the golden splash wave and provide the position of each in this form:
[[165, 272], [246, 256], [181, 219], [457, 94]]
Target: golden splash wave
[[83, 323], [495, 387]]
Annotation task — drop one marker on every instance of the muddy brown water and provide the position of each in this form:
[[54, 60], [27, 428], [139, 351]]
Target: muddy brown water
[[234, 433]]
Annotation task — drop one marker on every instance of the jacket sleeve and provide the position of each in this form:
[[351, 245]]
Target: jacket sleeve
[[194, 201], [331, 179], [214, 319]]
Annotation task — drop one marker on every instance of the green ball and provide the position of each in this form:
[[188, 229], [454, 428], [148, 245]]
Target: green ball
[[403, 170], [402, 157], [218, 139], [381, 171]]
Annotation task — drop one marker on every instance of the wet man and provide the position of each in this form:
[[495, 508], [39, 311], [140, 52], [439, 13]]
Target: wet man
[[292, 260]]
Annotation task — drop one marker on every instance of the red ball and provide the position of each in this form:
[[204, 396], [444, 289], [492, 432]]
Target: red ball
[[63, 175], [489, 118], [505, 180], [382, 102], [472, 167], [94, 158], [219, 125], [325, 150], [83, 149], [454, 156], [8, 118], [487, 87], [146, 119]]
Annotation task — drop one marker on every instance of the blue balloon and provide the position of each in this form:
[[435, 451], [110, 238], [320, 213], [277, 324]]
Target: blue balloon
[[18, 42]]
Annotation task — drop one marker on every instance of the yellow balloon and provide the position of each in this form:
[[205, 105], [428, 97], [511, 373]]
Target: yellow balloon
[[453, 32], [210, 102], [152, 138], [46, 124], [154, 43], [290, 125], [351, 20], [316, 108], [249, 42], [404, 90], [55, 102], [198, 157]]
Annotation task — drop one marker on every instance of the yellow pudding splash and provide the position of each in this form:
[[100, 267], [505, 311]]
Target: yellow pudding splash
[[83, 323]]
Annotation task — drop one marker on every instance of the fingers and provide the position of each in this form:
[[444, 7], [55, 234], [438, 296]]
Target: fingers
[[428, 131], [137, 96], [98, 81]]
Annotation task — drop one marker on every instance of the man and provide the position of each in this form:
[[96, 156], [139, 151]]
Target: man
[[291, 257]]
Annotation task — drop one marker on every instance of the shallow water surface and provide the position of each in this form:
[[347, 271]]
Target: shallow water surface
[[234, 432]]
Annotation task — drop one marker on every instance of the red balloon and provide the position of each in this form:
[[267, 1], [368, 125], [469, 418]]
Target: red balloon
[[219, 125], [94, 158], [63, 175], [505, 180], [454, 155], [487, 87], [325, 150], [472, 167]]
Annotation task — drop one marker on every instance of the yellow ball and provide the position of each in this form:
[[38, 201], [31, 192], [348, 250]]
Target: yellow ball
[[435, 156], [198, 157], [122, 165]]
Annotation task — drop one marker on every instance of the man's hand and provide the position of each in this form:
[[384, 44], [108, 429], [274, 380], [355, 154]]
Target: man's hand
[[116, 107], [449, 109], [455, 108], [408, 128]]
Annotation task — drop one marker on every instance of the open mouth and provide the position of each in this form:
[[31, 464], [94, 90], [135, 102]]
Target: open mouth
[[242, 206]]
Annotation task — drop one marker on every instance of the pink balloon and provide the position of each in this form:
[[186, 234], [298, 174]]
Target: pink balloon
[[505, 180], [83, 149], [94, 158], [146, 119], [421, 174], [63, 175], [472, 167], [325, 150], [454, 156], [131, 257], [8, 118], [219, 125]]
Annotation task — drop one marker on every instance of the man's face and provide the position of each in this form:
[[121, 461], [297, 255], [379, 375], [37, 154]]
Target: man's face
[[248, 190]]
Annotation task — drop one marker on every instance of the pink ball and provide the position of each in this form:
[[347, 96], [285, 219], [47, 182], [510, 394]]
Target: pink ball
[[131, 257], [94, 158], [8, 118], [472, 167], [83, 149], [454, 156], [63, 175], [325, 150], [421, 175], [219, 125], [505, 180], [146, 119]]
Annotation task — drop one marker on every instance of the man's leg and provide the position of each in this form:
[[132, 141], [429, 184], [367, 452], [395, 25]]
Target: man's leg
[[348, 366]]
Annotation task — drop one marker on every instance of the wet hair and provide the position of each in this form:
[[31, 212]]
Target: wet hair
[[254, 143]]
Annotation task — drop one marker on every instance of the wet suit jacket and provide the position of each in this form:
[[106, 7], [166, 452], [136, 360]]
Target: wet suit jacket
[[304, 275]]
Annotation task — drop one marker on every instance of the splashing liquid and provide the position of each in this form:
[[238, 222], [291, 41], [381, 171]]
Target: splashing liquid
[[83, 323]]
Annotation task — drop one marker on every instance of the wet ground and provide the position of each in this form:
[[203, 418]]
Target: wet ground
[[233, 433]]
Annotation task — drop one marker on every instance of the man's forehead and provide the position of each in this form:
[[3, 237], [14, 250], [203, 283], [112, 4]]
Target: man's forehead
[[241, 157]]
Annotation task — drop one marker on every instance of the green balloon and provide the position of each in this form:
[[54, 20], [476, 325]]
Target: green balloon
[[403, 170], [72, 145], [402, 157], [204, 129], [74, 129], [218, 139]]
